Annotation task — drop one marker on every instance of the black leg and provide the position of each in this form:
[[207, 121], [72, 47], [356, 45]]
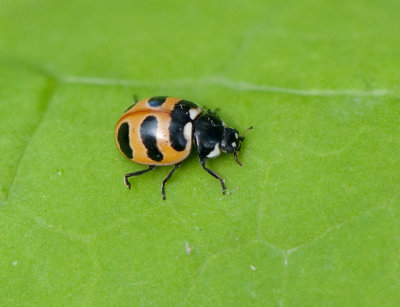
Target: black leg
[[136, 174], [167, 178], [214, 174]]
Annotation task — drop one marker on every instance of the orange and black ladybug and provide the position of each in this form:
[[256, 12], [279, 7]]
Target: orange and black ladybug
[[160, 130]]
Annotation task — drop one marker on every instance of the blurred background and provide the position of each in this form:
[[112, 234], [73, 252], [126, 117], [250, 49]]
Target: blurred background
[[311, 218], [314, 44]]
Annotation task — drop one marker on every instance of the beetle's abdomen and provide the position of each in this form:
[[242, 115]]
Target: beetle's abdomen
[[144, 137]]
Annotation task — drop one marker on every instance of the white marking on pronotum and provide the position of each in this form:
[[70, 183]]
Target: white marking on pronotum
[[233, 144], [216, 152], [236, 135], [187, 133], [194, 112]]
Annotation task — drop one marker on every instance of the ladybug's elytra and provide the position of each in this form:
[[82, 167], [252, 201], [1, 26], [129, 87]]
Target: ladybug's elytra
[[160, 130]]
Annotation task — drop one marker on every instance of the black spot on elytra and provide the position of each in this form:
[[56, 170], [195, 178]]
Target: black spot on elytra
[[123, 140], [180, 116], [156, 101], [148, 133]]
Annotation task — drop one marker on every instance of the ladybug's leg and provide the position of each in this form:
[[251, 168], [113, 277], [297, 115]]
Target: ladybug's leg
[[136, 174], [214, 174], [167, 178]]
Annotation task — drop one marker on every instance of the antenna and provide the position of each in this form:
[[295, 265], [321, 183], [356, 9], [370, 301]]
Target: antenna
[[241, 138]]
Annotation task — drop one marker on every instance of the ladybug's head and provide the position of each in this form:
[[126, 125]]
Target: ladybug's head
[[232, 141]]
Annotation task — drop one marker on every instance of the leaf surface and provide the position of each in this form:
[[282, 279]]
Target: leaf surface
[[311, 219]]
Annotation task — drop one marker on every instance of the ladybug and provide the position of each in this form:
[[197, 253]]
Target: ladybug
[[160, 131]]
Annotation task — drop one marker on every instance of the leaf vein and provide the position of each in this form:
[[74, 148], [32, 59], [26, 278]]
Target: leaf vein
[[231, 84], [44, 102]]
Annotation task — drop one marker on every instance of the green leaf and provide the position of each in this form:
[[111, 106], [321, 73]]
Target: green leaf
[[311, 219]]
